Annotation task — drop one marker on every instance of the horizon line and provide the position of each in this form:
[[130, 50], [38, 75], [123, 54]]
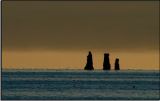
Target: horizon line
[[72, 69]]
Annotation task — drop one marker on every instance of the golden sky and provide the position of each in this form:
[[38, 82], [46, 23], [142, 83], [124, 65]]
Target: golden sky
[[59, 34], [76, 60]]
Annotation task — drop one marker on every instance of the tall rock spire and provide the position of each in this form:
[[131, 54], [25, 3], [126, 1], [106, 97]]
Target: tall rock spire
[[89, 64], [106, 62], [117, 64]]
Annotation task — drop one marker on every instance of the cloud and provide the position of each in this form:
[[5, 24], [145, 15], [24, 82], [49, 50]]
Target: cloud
[[105, 25]]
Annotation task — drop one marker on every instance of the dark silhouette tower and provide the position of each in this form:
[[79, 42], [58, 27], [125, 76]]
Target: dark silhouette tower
[[106, 62], [117, 64], [89, 64]]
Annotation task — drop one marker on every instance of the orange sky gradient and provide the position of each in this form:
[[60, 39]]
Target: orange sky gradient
[[77, 60], [59, 34]]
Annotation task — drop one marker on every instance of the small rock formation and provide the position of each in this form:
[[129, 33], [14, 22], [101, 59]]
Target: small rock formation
[[106, 62], [89, 64], [117, 64]]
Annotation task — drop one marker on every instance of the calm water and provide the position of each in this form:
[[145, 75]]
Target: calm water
[[79, 84]]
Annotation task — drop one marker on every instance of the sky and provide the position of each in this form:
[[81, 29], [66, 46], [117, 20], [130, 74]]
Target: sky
[[59, 34]]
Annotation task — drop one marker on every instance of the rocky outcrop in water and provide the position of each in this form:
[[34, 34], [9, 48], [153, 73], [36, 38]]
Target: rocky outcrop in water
[[89, 64], [106, 62], [117, 64]]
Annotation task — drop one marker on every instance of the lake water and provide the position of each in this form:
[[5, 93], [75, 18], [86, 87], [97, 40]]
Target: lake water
[[80, 84]]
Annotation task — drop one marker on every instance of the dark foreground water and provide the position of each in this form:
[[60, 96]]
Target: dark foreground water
[[79, 84]]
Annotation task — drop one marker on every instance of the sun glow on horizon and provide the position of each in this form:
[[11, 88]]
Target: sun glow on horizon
[[76, 60]]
